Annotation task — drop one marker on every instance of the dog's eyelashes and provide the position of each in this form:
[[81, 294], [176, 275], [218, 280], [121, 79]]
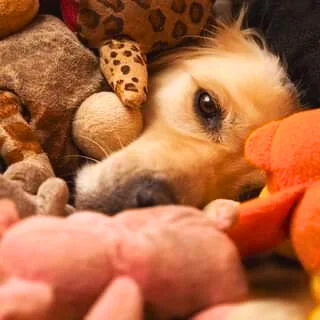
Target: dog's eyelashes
[[208, 108]]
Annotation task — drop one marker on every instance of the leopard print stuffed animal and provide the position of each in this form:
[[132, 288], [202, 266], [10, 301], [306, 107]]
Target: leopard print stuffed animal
[[126, 30]]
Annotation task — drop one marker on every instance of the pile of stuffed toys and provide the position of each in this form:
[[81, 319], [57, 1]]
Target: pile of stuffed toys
[[59, 264]]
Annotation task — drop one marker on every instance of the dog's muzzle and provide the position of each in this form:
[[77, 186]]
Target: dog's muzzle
[[138, 192]]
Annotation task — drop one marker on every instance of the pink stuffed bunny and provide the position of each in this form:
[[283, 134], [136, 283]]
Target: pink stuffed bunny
[[168, 261]]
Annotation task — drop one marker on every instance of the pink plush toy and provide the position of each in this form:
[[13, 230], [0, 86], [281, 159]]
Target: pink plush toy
[[171, 261]]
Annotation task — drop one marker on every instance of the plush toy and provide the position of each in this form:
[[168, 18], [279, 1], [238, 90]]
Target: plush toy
[[16, 14], [102, 125], [289, 152], [36, 117], [169, 261], [45, 75], [125, 31], [51, 198]]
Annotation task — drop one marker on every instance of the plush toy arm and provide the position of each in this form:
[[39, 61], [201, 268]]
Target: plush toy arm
[[305, 229], [223, 213], [51, 199], [257, 225], [262, 223], [122, 301], [27, 163], [124, 66]]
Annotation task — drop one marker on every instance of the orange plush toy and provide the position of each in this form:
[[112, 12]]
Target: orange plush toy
[[289, 152]]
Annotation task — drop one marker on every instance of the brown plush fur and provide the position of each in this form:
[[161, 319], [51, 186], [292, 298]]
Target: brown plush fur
[[51, 73]]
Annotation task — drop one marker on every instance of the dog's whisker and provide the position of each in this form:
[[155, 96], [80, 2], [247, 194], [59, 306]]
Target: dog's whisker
[[81, 156], [120, 142], [105, 152]]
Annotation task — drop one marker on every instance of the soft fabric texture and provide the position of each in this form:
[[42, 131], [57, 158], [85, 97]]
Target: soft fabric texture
[[52, 73], [291, 158], [70, 13], [154, 260], [103, 125], [16, 14], [180, 262], [125, 31], [51, 198]]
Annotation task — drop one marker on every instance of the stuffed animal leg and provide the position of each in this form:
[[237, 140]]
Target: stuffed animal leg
[[27, 162], [124, 66], [51, 199]]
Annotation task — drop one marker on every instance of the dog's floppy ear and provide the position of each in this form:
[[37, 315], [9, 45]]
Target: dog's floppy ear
[[259, 144]]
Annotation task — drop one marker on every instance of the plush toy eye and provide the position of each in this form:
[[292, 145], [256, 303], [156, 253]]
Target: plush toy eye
[[208, 108]]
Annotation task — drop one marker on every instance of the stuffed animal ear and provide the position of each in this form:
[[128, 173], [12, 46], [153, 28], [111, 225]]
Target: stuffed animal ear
[[259, 143]]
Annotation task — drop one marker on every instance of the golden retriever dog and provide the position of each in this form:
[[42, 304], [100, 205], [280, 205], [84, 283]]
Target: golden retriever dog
[[203, 104]]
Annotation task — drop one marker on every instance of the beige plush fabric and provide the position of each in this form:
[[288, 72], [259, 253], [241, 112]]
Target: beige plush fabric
[[52, 73]]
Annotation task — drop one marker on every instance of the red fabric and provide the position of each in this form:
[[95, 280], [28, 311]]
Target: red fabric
[[70, 9]]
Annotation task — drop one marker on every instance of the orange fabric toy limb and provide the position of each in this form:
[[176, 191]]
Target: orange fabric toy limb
[[305, 229], [262, 223], [289, 152]]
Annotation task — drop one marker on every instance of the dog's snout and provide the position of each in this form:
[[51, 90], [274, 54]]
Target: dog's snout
[[153, 193], [138, 192]]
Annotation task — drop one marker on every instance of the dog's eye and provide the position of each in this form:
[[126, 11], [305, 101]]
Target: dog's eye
[[208, 108], [249, 193]]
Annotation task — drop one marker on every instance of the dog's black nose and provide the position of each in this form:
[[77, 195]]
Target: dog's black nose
[[138, 192], [141, 192], [151, 193]]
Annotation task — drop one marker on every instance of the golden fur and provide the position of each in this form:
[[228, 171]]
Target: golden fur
[[252, 88]]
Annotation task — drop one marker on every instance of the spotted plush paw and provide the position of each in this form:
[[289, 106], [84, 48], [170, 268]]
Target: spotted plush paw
[[125, 68]]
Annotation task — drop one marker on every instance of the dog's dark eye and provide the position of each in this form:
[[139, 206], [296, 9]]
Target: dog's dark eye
[[249, 193], [208, 108]]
